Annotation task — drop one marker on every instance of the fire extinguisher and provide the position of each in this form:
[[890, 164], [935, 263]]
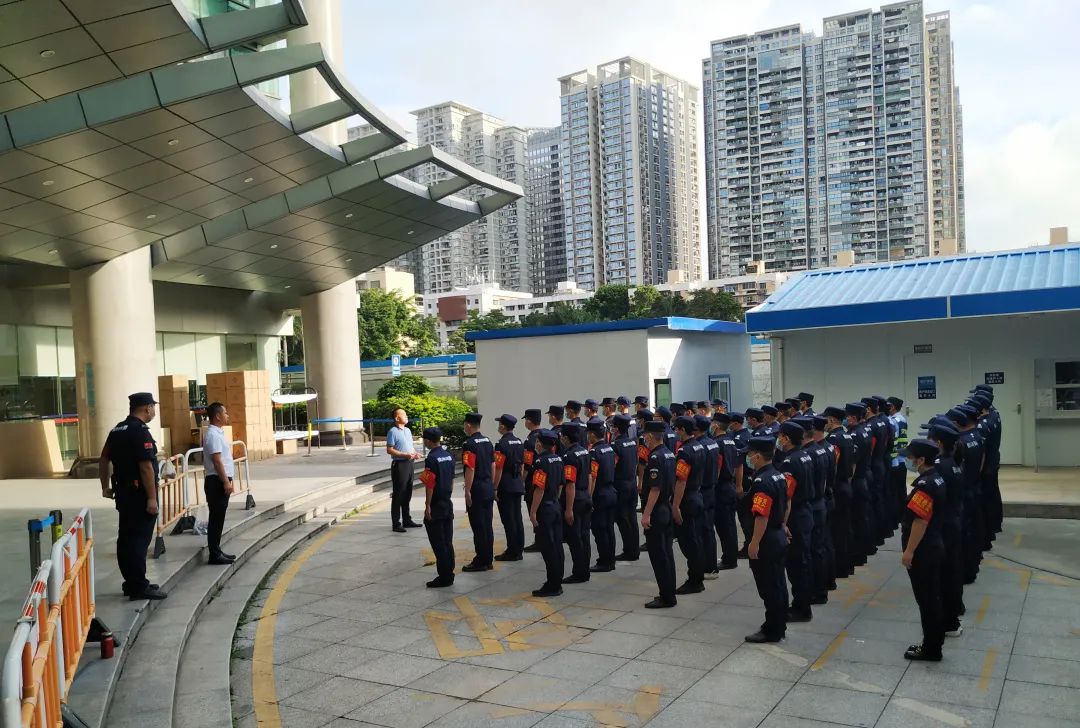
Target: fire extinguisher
[[107, 644]]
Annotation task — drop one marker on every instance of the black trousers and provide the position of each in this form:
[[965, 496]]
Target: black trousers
[[952, 583], [689, 535], [819, 567], [549, 537], [840, 530], [401, 477], [974, 537], [440, 535], [483, 533], [925, 575], [746, 517], [133, 537], [879, 527], [510, 515], [768, 571], [707, 530], [627, 519], [898, 491], [862, 543], [603, 524], [992, 500], [576, 536], [724, 521], [217, 500], [801, 525], [658, 541]]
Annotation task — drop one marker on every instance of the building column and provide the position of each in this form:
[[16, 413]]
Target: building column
[[308, 90], [112, 312], [332, 354]]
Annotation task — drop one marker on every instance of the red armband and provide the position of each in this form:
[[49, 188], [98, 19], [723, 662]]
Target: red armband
[[539, 479], [921, 505], [594, 469], [499, 459], [468, 459], [643, 453], [428, 479], [762, 504], [682, 470], [791, 484], [569, 473], [529, 457]]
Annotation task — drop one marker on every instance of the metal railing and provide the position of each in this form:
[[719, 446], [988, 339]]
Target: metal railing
[[371, 422]]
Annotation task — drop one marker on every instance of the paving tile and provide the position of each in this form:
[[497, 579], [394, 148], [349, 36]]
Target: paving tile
[[777, 720], [653, 625], [640, 674], [304, 718], [743, 691], [336, 630], [290, 680], [847, 707], [1051, 701], [586, 666], [534, 692], [685, 712], [608, 705], [1048, 607], [1059, 648], [771, 663], [616, 644], [860, 676], [966, 662], [579, 616], [387, 637], [345, 694], [947, 688], [335, 659], [1050, 626], [685, 654], [406, 708], [479, 713], [462, 681], [515, 660], [1044, 670], [1007, 719], [393, 669], [874, 651], [907, 712]]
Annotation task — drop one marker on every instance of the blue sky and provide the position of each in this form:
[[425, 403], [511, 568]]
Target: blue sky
[[1016, 65]]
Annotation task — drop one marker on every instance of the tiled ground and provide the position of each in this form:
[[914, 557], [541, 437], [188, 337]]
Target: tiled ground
[[359, 641]]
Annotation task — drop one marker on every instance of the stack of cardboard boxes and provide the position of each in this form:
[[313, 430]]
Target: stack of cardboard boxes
[[246, 396], [174, 412]]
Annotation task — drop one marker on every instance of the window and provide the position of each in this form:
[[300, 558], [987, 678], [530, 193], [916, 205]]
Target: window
[[1067, 386], [720, 387], [661, 391]]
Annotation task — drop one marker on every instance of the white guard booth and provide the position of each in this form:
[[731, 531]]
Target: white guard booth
[[666, 359]]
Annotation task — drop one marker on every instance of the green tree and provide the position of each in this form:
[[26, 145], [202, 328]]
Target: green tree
[[610, 303], [490, 321], [651, 303], [406, 384], [560, 313], [422, 337], [388, 325], [718, 305], [294, 345]]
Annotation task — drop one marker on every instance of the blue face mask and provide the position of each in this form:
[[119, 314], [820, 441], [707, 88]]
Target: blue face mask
[[910, 465], [750, 463]]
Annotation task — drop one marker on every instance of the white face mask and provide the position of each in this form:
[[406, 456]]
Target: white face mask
[[910, 464], [750, 463]]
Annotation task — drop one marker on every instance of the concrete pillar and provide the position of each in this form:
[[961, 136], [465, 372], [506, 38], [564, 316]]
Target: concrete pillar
[[112, 312], [332, 353], [307, 89]]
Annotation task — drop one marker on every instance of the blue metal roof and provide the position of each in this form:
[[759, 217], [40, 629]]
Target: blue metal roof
[[405, 362], [672, 323], [1023, 281]]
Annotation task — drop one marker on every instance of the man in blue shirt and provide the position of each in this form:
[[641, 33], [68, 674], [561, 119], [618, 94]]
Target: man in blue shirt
[[399, 445]]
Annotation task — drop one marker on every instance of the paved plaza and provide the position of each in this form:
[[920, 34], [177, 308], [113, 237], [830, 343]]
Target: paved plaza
[[344, 633]]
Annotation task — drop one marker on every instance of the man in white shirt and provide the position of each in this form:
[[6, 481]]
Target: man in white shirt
[[218, 485]]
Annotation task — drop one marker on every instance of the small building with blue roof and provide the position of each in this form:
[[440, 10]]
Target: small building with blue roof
[[929, 330], [667, 359]]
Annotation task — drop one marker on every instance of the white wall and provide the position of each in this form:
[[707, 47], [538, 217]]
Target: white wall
[[845, 363], [538, 371], [688, 358]]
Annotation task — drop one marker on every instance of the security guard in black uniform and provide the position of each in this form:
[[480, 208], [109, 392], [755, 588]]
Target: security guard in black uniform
[[806, 404], [656, 519], [510, 488], [755, 422], [686, 504], [755, 427], [707, 522], [970, 454], [531, 418], [952, 514], [642, 416], [729, 472], [131, 450], [573, 414], [438, 480], [990, 422], [840, 514], [798, 471], [478, 459], [880, 432], [769, 415], [626, 458], [555, 422], [768, 543], [665, 415], [623, 403], [923, 546], [821, 551], [605, 500], [576, 502], [592, 409], [544, 511], [862, 540]]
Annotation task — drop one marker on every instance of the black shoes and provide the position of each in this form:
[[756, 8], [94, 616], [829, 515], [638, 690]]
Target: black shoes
[[508, 557], [149, 586], [819, 600], [743, 553], [575, 579], [690, 587], [625, 557], [440, 581], [151, 592], [659, 603], [601, 568], [532, 549], [220, 559], [399, 529], [727, 567], [799, 615], [412, 524], [547, 591], [761, 637], [917, 653], [477, 567]]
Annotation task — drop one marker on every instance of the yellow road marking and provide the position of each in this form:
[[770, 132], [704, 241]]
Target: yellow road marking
[[644, 705], [263, 687], [982, 610], [444, 641], [829, 651], [988, 669], [1024, 574], [1075, 632], [929, 711], [1056, 580], [1017, 539]]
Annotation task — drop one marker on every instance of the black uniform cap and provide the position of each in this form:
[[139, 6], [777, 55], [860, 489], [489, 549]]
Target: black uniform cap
[[793, 431], [556, 410], [855, 408], [140, 399], [664, 412], [573, 404], [655, 426], [701, 403], [591, 404], [644, 414], [548, 437], [701, 423], [805, 422], [946, 435], [722, 417], [980, 401], [737, 417], [895, 402], [820, 423], [473, 418], [769, 410], [684, 423], [958, 416], [596, 427], [432, 434], [833, 412], [533, 415], [983, 388], [678, 410], [689, 404], [622, 421], [508, 420], [623, 401], [921, 448], [755, 413], [719, 403], [607, 402], [641, 399], [766, 445], [571, 429], [789, 402], [805, 397]]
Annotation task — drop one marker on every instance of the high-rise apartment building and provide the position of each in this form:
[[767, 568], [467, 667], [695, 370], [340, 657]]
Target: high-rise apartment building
[[544, 202], [817, 145], [492, 249], [629, 175]]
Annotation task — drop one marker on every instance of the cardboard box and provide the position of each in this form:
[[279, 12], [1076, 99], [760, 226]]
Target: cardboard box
[[242, 380], [217, 381], [238, 415], [286, 447], [216, 394], [168, 382], [236, 398]]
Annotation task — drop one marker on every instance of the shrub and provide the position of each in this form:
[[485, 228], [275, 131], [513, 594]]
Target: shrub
[[435, 411], [453, 436], [402, 386]]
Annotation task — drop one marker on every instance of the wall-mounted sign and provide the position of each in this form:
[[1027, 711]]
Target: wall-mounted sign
[[928, 387], [924, 348], [994, 378], [395, 365]]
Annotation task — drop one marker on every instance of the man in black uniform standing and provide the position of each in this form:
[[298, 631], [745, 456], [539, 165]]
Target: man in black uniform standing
[[710, 471], [797, 469], [544, 511], [923, 546], [821, 552], [862, 540], [769, 415], [626, 458], [971, 465], [769, 542], [687, 506], [573, 414], [840, 515], [438, 480], [531, 419], [555, 421], [952, 515], [806, 404], [478, 458], [510, 488], [729, 473], [602, 482], [576, 501], [658, 487], [132, 452]]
